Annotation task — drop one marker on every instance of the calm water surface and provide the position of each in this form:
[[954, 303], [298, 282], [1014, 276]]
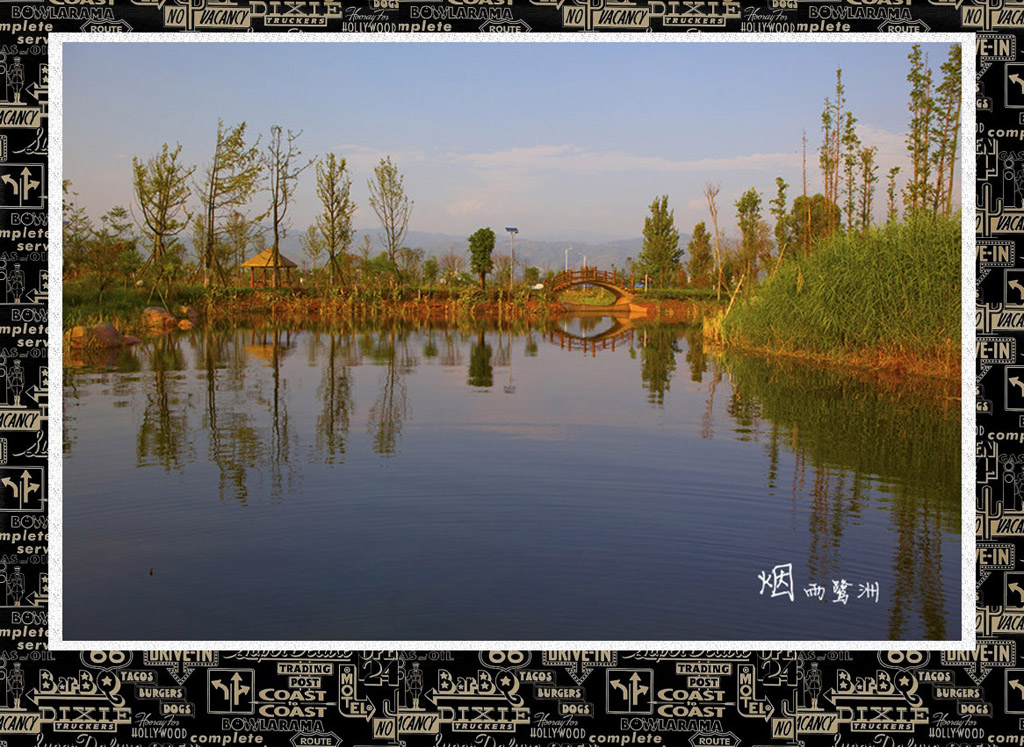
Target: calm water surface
[[478, 484]]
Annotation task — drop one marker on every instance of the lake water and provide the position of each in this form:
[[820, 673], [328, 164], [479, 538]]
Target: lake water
[[415, 483]]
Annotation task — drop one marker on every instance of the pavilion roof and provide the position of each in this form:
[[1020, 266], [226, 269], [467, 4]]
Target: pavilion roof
[[266, 259]]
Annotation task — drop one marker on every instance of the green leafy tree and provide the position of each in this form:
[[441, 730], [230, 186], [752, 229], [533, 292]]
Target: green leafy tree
[[660, 255], [866, 188], [161, 186], [333, 187], [891, 212], [831, 152], [431, 269], [481, 245], [701, 259], [379, 270], [239, 232], [811, 218], [946, 130], [392, 207], [748, 213], [777, 207], [113, 253], [77, 230], [851, 157], [231, 179], [410, 262], [917, 192], [531, 275], [313, 245]]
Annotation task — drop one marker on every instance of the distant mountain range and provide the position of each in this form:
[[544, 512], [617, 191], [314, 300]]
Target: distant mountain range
[[542, 254]]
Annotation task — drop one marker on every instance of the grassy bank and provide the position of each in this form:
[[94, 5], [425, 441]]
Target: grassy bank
[[122, 307], [890, 297]]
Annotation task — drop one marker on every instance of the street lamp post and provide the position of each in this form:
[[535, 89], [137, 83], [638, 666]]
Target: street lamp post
[[512, 231]]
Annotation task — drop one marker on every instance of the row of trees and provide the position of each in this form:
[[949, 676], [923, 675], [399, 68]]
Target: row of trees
[[225, 227], [849, 176]]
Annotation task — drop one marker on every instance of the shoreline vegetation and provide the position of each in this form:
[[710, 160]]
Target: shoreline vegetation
[[827, 283], [124, 311]]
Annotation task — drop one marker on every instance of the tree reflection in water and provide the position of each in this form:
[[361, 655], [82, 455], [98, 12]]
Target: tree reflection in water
[[838, 449], [335, 394], [391, 407], [821, 415], [164, 433], [659, 346], [481, 372]]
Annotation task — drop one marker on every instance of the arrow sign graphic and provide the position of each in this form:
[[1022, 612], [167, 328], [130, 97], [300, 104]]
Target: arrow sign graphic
[[1018, 80], [35, 89], [21, 189], [1017, 382]]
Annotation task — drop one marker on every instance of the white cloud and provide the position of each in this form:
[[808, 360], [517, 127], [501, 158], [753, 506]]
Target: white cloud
[[577, 160], [892, 146]]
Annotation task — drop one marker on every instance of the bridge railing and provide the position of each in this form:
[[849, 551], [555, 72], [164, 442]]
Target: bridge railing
[[591, 274]]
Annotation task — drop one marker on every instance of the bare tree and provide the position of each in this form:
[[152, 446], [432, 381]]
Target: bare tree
[[452, 266], [711, 192], [280, 160]]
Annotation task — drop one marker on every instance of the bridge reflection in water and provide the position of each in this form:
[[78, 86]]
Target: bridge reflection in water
[[620, 333]]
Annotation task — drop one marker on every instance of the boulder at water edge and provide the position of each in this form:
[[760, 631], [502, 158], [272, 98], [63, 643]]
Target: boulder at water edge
[[158, 318], [98, 336]]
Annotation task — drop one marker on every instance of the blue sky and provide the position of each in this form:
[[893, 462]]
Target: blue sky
[[564, 140]]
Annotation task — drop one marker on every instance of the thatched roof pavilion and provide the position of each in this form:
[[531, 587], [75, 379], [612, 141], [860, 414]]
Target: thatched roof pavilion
[[265, 261]]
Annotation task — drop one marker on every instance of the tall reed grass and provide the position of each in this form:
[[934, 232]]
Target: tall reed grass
[[894, 288]]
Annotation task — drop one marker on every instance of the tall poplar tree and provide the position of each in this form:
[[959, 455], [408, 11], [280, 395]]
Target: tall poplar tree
[[748, 214], [851, 157], [393, 208], [917, 191], [868, 171], [946, 131], [230, 181], [891, 211], [778, 210], [701, 260], [333, 187]]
